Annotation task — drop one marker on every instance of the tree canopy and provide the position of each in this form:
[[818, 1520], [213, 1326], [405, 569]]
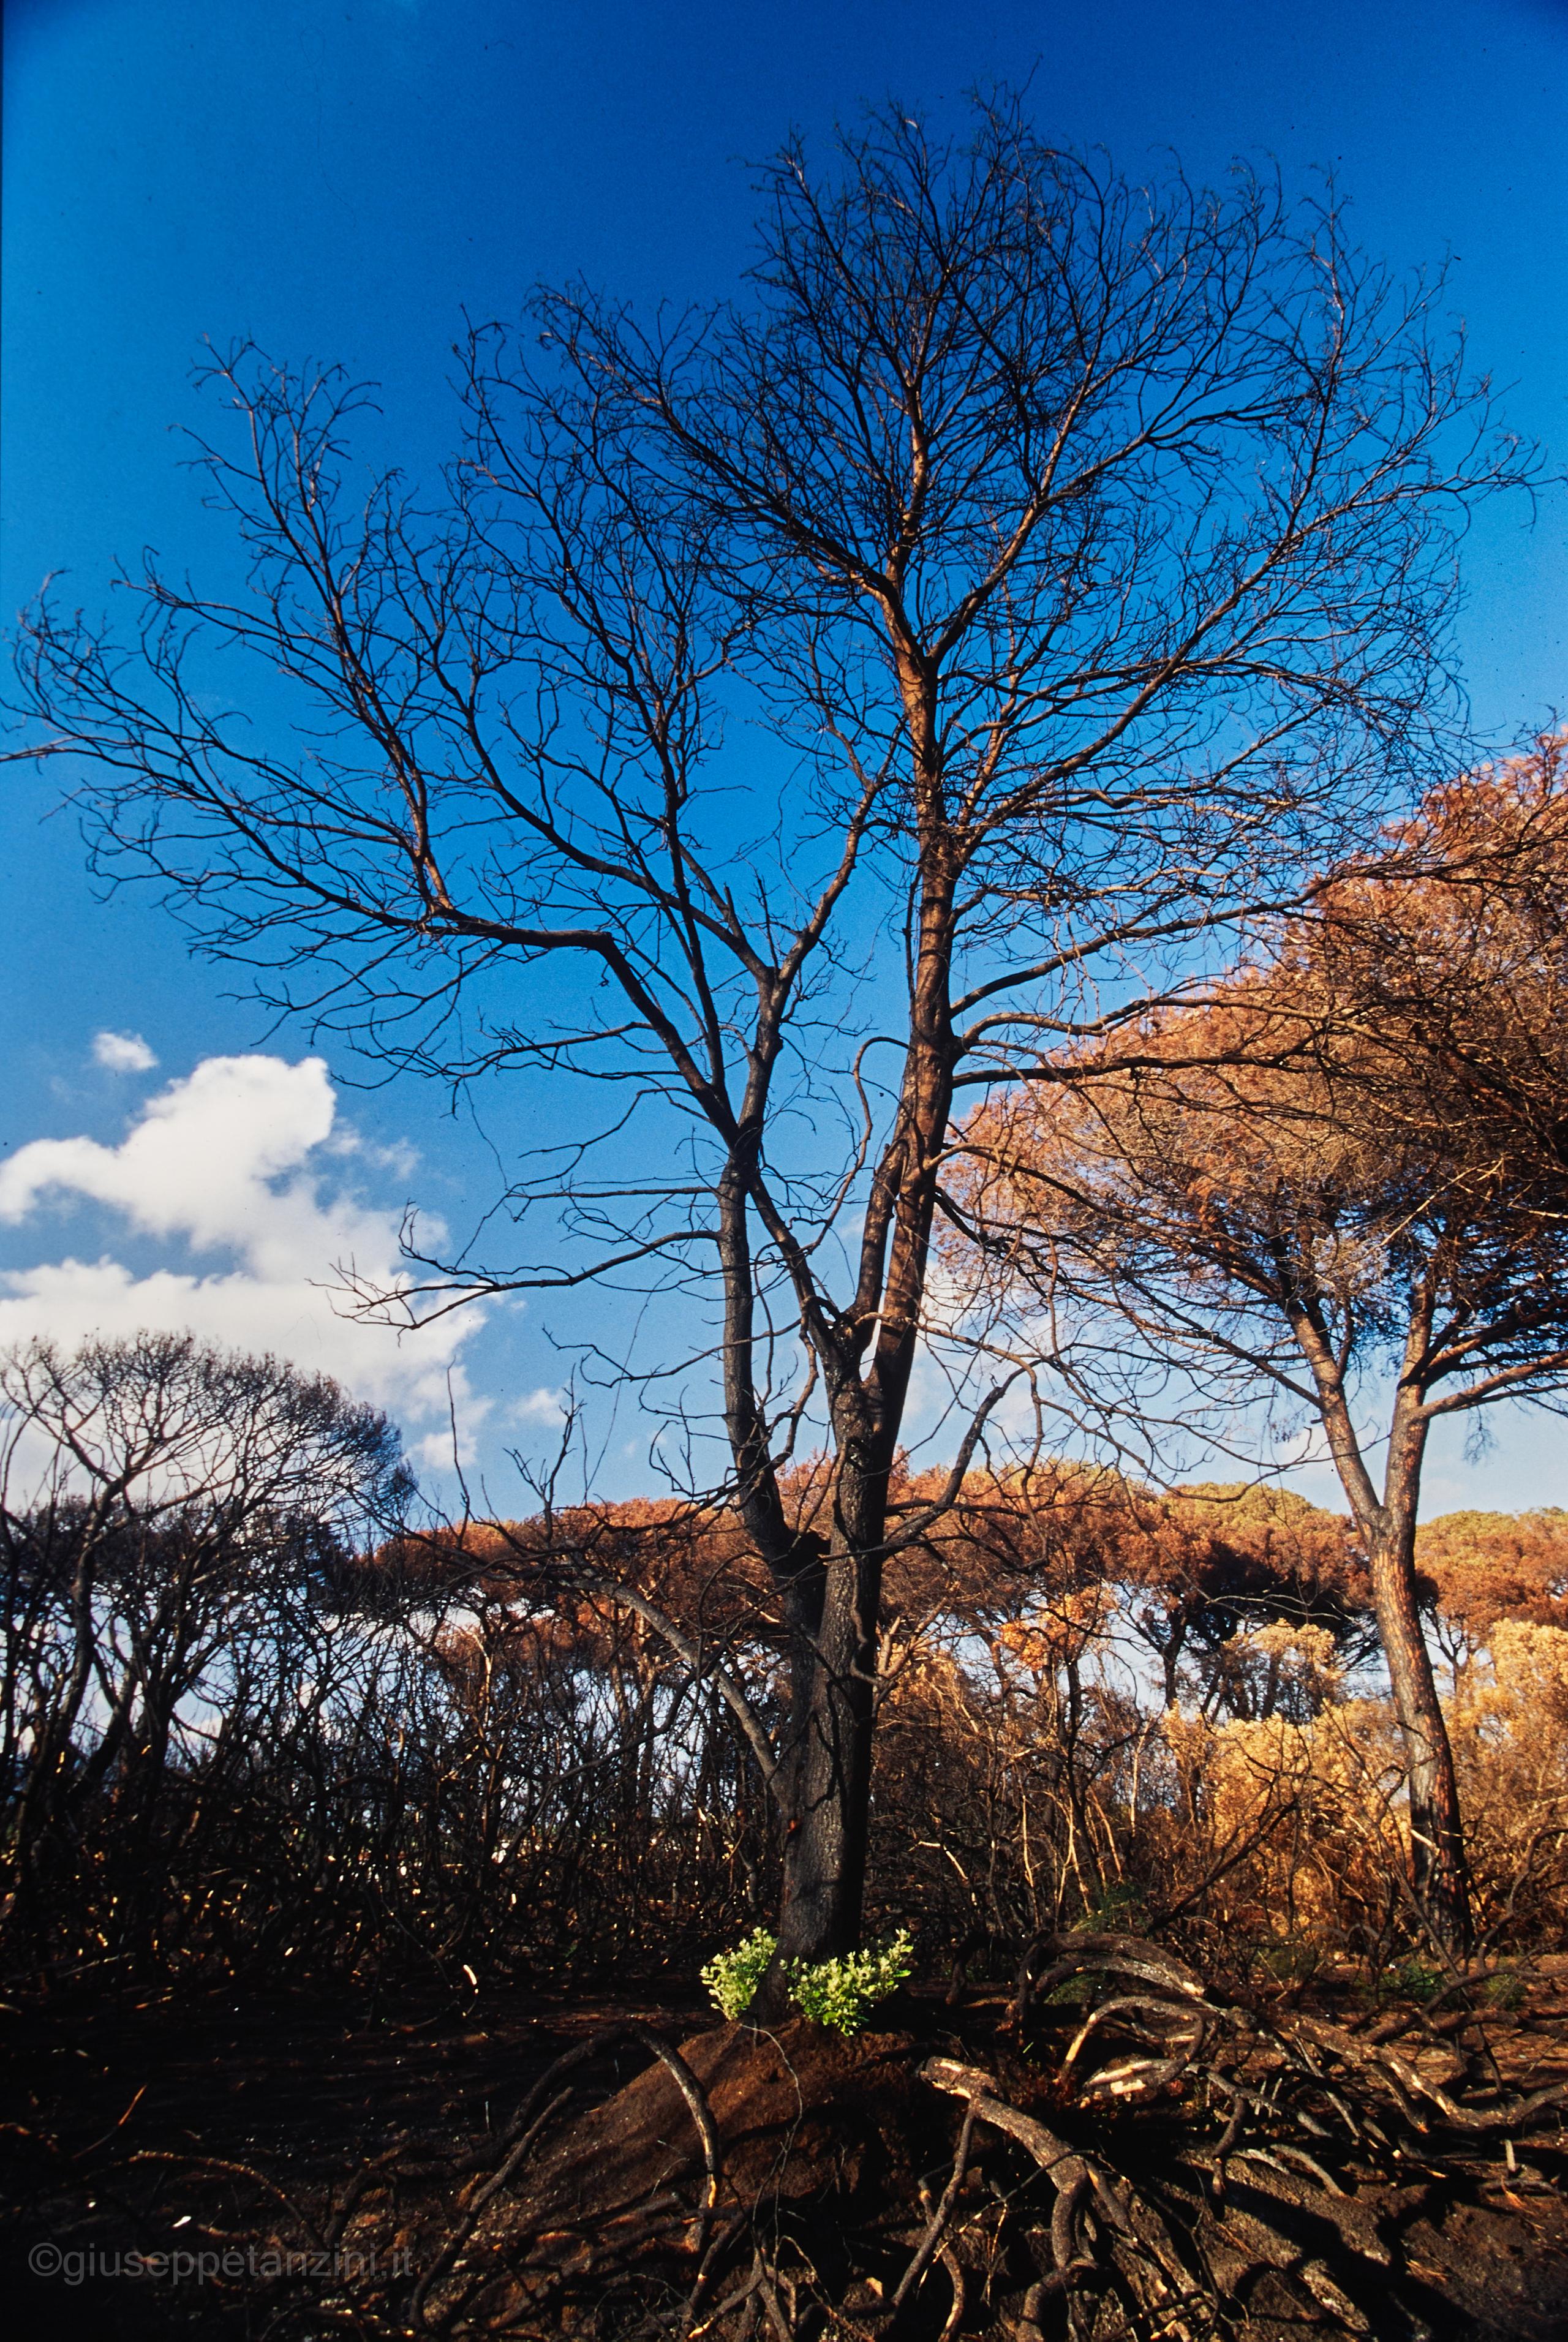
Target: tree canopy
[[1338, 1178]]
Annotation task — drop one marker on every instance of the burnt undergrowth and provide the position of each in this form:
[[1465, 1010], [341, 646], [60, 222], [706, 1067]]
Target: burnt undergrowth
[[1112, 2148]]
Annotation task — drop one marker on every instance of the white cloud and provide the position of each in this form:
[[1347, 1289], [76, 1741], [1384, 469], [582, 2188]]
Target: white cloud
[[232, 1161], [539, 1406], [123, 1053]]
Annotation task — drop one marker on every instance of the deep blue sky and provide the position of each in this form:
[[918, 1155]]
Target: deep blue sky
[[343, 180]]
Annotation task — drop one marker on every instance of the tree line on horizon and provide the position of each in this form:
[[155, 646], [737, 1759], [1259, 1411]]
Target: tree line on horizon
[[248, 1733]]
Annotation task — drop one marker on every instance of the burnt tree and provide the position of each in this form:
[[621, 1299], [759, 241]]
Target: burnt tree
[[790, 714]]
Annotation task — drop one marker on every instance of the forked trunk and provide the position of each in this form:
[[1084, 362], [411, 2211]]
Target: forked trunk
[[826, 1802], [1440, 1873]]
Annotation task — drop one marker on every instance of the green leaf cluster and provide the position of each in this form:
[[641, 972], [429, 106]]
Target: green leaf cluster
[[839, 1994], [731, 1977]]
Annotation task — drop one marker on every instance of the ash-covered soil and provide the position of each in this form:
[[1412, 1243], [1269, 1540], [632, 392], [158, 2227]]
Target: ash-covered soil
[[221, 2139]]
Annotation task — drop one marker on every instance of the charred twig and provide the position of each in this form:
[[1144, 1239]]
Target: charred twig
[[724, 2238], [936, 2229]]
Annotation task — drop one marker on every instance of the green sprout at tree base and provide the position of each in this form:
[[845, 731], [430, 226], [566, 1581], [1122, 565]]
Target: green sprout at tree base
[[838, 1993]]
